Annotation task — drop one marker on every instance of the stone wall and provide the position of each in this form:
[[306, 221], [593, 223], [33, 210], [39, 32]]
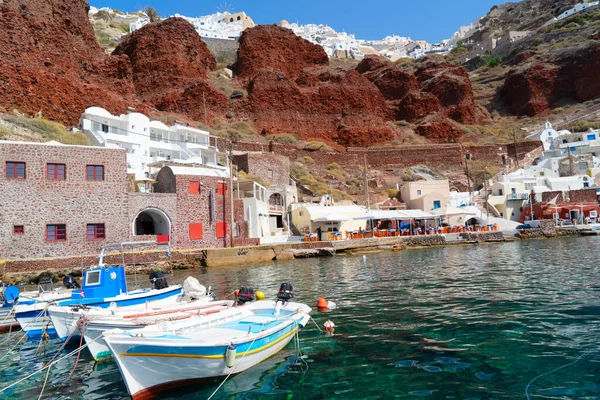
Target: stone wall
[[270, 167], [396, 157], [482, 236], [36, 201], [583, 196], [426, 240]]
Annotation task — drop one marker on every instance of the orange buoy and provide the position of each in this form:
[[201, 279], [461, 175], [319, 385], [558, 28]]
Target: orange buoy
[[322, 304], [237, 293]]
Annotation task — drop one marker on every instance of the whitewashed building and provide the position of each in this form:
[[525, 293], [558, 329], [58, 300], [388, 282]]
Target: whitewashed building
[[547, 135], [148, 142]]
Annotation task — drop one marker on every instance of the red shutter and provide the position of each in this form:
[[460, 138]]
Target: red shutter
[[194, 188], [162, 239], [196, 231], [222, 188], [222, 229]]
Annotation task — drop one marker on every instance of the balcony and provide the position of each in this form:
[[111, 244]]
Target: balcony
[[517, 196]]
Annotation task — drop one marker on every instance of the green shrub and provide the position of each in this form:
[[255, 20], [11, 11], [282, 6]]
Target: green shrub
[[284, 138], [393, 193], [315, 145], [5, 131], [306, 160], [403, 123], [333, 166], [493, 61], [396, 143], [49, 130]]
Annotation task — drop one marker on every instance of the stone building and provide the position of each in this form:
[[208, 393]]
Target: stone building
[[62, 201], [270, 167]]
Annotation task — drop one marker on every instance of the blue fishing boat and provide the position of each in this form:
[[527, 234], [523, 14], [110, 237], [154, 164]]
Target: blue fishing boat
[[103, 286]]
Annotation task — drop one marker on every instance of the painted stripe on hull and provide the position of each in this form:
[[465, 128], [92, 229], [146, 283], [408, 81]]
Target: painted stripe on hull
[[241, 354]]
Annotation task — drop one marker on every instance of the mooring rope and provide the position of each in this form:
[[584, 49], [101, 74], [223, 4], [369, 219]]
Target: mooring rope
[[235, 366], [557, 369], [24, 336]]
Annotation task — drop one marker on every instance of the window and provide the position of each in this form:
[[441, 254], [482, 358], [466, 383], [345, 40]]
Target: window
[[270, 174], [500, 192], [593, 214], [437, 204], [95, 231], [56, 233], [104, 128], [15, 170], [196, 231], [95, 172], [56, 172], [194, 188], [418, 192], [591, 137], [92, 278], [18, 229], [221, 229], [222, 188]]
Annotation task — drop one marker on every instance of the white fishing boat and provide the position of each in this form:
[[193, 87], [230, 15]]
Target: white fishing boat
[[175, 353], [103, 286], [97, 322]]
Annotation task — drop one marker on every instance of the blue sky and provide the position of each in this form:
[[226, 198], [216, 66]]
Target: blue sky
[[431, 20]]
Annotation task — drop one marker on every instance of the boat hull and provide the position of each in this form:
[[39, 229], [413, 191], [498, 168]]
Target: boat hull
[[146, 375], [157, 357], [66, 321]]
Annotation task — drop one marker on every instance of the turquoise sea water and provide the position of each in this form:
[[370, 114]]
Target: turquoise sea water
[[474, 322]]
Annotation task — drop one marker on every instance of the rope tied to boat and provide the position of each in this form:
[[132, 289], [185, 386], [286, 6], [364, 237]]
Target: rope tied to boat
[[24, 337], [49, 365]]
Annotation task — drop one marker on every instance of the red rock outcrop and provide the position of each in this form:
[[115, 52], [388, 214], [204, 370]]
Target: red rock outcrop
[[529, 90], [194, 101], [321, 104], [270, 46], [450, 83], [570, 74], [440, 131], [167, 57], [435, 89], [291, 89], [50, 62]]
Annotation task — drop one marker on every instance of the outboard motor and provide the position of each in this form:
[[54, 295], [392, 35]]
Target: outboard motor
[[70, 282], [286, 292], [158, 280], [245, 295]]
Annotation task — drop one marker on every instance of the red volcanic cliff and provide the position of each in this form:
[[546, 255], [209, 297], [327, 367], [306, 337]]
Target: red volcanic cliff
[[50, 62], [436, 90], [270, 46], [166, 57], [534, 85], [287, 94]]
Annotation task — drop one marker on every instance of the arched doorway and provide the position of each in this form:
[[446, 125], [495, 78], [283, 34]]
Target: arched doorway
[[151, 221]]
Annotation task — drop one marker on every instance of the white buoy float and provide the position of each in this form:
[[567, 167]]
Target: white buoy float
[[230, 355]]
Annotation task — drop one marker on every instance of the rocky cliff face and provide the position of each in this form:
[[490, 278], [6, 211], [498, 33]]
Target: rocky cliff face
[[166, 57], [272, 47], [435, 92], [170, 65], [288, 94], [537, 83], [50, 62]]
